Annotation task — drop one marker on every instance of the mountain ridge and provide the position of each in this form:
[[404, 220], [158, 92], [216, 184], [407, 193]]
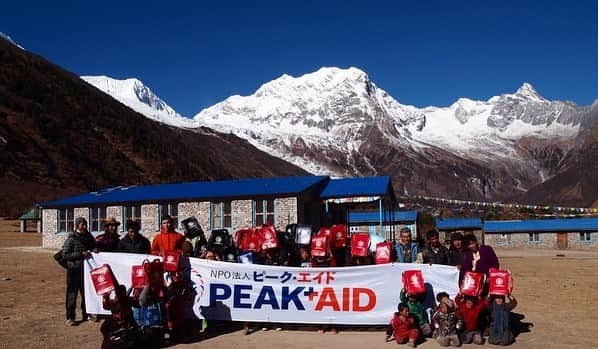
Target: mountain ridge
[[60, 136]]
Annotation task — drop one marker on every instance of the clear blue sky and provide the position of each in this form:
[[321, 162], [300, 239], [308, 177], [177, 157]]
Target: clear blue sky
[[421, 52]]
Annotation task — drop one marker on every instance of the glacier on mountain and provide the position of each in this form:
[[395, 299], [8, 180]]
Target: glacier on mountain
[[134, 94]]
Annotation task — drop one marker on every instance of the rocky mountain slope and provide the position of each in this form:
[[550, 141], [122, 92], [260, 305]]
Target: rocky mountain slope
[[59, 135], [337, 121]]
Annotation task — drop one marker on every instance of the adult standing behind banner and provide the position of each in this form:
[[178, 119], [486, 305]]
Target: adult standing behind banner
[[168, 239], [134, 242], [457, 250], [77, 247], [478, 259], [108, 242], [407, 250], [434, 252]]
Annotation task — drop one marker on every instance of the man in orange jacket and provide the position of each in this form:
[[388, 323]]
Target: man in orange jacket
[[168, 239]]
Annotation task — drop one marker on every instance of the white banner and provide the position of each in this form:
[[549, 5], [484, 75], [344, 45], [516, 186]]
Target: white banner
[[249, 292]]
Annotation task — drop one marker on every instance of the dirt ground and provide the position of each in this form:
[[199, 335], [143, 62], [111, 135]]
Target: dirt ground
[[558, 302]]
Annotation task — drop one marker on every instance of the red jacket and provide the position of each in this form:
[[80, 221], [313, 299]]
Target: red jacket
[[402, 327], [167, 241], [471, 316]]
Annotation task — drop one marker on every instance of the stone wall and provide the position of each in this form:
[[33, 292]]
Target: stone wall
[[81, 212], [50, 236], [445, 235], [547, 240], [575, 243], [149, 220], [241, 214], [201, 211], [285, 212]]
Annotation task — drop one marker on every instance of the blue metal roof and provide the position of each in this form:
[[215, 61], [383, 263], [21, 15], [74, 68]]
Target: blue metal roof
[[374, 216], [458, 223], [239, 188], [359, 186], [542, 225]]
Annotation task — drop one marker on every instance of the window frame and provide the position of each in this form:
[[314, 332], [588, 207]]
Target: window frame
[[170, 208], [69, 217], [221, 208], [101, 212], [534, 237], [264, 213], [130, 213], [585, 236]]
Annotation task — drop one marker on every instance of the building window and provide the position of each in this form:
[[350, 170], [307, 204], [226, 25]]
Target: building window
[[171, 209], [133, 213], [97, 216], [534, 237], [585, 236], [66, 221], [220, 217], [263, 212]]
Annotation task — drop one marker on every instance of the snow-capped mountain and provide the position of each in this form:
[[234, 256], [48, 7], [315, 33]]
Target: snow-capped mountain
[[134, 94], [338, 122], [7, 38]]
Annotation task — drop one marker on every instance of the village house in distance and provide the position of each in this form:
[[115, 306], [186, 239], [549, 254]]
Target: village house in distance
[[363, 203]]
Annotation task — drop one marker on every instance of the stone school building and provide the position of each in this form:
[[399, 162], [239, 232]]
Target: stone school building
[[561, 233], [230, 204]]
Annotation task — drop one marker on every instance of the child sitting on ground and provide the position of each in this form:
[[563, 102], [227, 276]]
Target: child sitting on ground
[[403, 327], [446, 322], [470, 309], [500, 315], [120, 329], [416, 307]]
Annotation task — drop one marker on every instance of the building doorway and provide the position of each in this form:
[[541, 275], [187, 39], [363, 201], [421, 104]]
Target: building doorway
[[562, 241]]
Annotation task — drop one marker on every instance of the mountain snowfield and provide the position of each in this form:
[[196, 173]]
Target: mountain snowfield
[[338, 122], [134, 94], [327, 106]]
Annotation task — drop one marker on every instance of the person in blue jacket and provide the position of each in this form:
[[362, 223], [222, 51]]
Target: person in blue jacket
[[406, 250]]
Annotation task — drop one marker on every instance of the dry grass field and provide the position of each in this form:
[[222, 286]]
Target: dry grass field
[[558, 302]]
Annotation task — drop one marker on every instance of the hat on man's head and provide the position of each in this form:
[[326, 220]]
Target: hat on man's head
[[111, 221], [405, 230]]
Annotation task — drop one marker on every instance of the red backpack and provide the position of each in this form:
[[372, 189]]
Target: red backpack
[[500, 282], [383, 252], [472, 284], [338, 234], [360, 244], [103, 280], [139, 275], [171, 260], [413, 282], [319, 246], [248, 240], [268, 237]]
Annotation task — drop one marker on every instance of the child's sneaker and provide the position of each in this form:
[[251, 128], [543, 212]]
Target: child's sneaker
[[70, 322], [388, 339]]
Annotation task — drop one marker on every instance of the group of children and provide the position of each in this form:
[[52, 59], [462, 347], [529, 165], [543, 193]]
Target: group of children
[[145, 314], [453, 323]]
